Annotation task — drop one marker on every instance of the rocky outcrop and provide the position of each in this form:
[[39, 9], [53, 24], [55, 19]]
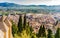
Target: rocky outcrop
[[5, 27]]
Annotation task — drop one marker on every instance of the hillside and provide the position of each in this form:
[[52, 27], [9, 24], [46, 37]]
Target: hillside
[[30, 8]]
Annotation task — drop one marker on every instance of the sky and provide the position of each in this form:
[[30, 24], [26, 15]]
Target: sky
[[33, 2]]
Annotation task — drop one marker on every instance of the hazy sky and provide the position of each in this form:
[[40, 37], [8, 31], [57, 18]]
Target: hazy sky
[[36, 2]]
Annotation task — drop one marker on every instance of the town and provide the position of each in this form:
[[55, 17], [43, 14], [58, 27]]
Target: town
[[35, 21]]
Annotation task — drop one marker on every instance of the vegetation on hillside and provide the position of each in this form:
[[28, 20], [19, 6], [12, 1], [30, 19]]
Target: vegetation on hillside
[[23, 30]]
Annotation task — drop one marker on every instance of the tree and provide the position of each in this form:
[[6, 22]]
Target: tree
[[29, 29], [43, 32], [20, 26], [14, 28], [57, 35], [56, 23], [24, 23], [34, 35], [49, 34], [40, 32]]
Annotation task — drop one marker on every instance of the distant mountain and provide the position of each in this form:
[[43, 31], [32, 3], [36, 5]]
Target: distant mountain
[[6, 4], [29, 8]]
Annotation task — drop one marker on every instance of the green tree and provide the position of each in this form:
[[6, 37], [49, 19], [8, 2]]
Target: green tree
[[34, 35], [57, 35], [20, 26], [14, 28], [49, 34], [40, 32], [24, 23], [29, 28], [43, 31]]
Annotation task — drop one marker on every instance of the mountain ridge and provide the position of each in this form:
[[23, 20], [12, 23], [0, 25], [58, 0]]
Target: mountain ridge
[[6, 4]]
